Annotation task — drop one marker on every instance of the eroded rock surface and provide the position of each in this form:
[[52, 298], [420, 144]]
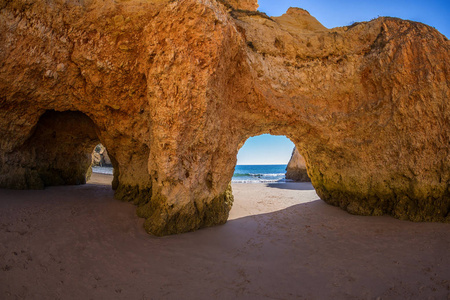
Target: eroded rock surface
[[174, 88], [296, 168], [250, 5]]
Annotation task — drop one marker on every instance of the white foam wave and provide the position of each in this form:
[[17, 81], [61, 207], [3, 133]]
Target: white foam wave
[[103, 170]]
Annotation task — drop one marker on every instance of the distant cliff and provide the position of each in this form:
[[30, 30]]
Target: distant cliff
[[296, 168], [100, 156]]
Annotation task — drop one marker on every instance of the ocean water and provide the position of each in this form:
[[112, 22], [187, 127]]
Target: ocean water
[[259, 173], [103, 170], [242, 173]]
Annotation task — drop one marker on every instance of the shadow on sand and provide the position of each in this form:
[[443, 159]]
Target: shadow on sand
[[299, 186], [79, 242]]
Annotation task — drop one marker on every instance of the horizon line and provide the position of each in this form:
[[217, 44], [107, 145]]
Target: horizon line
[[272, 164]]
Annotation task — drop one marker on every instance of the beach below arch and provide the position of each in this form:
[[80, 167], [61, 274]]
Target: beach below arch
[[280, 242]]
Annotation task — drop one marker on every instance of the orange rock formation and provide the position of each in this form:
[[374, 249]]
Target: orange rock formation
[[174, 88], [296, 169]]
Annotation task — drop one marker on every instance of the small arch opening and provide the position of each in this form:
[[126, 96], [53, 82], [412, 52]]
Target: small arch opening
[[101, 169], [101, 161]]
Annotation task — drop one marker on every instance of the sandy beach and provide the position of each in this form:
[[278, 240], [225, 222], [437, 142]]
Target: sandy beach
[[281, 242]]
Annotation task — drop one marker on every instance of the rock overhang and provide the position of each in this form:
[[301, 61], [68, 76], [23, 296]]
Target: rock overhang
[[174, 88]]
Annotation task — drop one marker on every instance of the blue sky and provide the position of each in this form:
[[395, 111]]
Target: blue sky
[[332, 13], [267, 149]]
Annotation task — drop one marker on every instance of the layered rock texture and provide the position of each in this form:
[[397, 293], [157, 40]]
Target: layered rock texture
[[174, 88], [296, 168]]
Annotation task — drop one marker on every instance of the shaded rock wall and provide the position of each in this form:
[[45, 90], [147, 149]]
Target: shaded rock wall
[[57, 152], [174, 89], [296, 168]]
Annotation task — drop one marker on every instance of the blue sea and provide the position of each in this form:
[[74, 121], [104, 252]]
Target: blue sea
[[242, 173], [259, 173]]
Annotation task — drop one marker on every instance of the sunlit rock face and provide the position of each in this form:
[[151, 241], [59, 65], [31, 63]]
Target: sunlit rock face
[[296, 168], [173, 88], [250, 5]]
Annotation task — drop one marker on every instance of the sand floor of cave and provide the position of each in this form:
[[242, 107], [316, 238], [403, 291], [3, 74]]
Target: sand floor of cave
[[281, 242]]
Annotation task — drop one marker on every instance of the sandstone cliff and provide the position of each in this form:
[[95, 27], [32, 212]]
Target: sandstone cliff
[[250, 5], [174, 88], [296, 168]]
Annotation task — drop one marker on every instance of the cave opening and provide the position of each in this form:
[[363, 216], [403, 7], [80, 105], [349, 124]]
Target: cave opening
[[59, 150]]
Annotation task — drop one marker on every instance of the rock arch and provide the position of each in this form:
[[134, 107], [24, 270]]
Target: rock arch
[[174, 87]]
